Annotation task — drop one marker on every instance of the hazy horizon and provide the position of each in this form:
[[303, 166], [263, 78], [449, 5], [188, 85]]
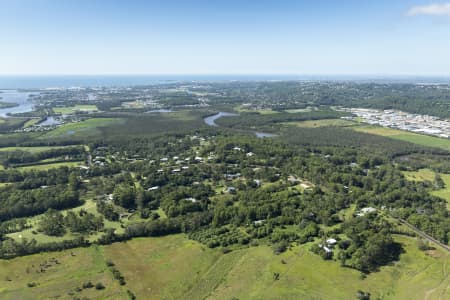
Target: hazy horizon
[[67, 81]]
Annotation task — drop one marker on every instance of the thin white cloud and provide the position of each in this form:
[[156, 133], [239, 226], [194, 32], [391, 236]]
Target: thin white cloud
[[437, 9]]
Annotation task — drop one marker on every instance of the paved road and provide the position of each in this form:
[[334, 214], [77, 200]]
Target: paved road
[[424, 235]]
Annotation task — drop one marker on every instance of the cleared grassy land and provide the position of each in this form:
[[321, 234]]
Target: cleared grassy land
[[31, 122], [297, 110], [86, 128], [162, 268], [89, 206], [428, 175], [7, 124], [266, 111], [445, 192], [132, 104], [156, 124], [75, 267], [51, 166], [307, 276], [30, 149], [71, 109], [421, 175], [322, 123], [174, 267], [415, 138]]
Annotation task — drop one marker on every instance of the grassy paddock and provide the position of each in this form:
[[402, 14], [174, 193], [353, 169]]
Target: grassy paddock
[[322, 123], [420, 175], [31, 149], [445, 192], [86, 128], [72, 109], [31, 122], [298, 110], [51, 165], [89, 206], [264, 111], [74, 268], [162, 268], [428, 175], [174, 267], [406, 136], [306, 276]]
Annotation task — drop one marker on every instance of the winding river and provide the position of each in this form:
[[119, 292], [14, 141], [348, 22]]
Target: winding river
[[210, 121], [13, 96]]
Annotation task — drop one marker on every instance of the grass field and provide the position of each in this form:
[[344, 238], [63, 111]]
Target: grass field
[[307, 276], [30, 149], [89, 206], [86, 128], [75, 267], [12, 123], [298, 110], [421, 175], [31, 122], [445, 192], [156, 124], [174, 267], [51, 165], [415, 138], [73, 109], [162, 268], [133, 104], [265, 111], [428, 175], [322, 123]]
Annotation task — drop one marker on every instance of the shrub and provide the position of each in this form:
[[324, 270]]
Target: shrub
[[99, 286], [88, 285]]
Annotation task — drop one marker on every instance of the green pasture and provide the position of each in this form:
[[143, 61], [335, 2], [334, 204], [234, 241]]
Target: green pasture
[[174, 267], [72, 109], [420, 139], [322, 123], [86, 128]]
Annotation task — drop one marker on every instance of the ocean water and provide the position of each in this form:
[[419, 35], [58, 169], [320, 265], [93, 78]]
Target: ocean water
[[67, 81]]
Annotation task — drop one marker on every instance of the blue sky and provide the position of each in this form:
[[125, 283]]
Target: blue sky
[[225, 37]]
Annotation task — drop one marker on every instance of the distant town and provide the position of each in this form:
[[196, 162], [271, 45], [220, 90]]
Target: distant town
[[402, 120]]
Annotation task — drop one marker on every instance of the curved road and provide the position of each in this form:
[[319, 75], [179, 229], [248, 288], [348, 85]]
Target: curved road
[[424, 235]]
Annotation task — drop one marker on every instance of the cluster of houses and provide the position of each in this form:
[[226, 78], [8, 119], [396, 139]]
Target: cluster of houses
[[404, 121], [328, 245], [365, 210]]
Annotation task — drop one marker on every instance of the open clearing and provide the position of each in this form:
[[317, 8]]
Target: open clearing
[[30, 149], [174, 267], [445, 192], [51, 166], [298, 110], [421, 175], [262, 111], [32, 232], [428, 175], [72, 109], [415, 138], [89, 127], [31, 122], [307, 276], [322, 123], [74, 268]]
